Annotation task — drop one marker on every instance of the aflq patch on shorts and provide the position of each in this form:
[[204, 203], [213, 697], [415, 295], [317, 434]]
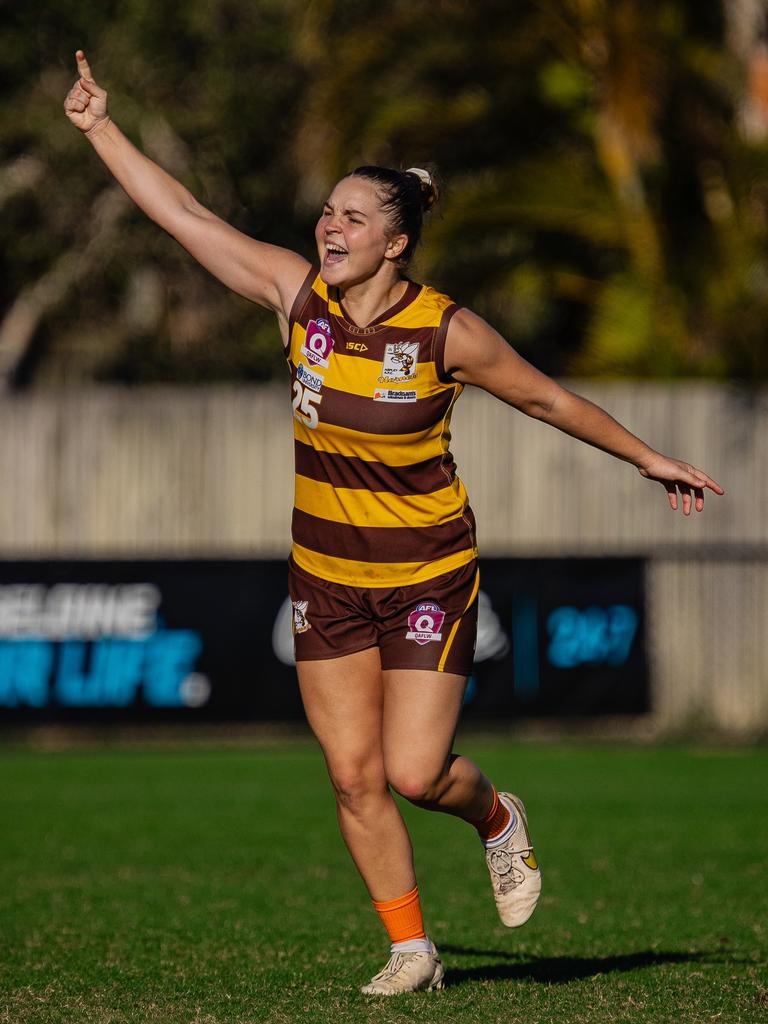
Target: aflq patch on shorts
[[425, 623]]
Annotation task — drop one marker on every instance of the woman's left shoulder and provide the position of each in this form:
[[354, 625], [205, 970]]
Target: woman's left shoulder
[[435, 300], [467, 327]]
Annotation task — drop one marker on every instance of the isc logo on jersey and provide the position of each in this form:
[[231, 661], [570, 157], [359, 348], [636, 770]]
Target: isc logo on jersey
[[318, 342]]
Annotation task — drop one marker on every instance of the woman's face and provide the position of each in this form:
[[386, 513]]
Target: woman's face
[[352, 234]]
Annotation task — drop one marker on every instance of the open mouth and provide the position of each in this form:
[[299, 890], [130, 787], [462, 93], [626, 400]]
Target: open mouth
[[334, 253]]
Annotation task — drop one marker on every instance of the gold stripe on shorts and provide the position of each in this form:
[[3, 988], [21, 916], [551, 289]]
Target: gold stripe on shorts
[[455, 626]]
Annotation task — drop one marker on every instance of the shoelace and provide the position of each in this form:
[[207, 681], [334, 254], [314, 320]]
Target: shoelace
[[503, 858], [505, 883], [393, 965], [506, 875]]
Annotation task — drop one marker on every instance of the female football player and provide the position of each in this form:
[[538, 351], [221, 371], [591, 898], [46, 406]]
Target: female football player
[[383, 569]]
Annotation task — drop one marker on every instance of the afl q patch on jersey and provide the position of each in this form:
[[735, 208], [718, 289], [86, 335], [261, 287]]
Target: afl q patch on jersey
[[318, 342]]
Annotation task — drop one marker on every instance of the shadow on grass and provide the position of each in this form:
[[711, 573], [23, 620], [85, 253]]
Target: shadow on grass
[[558, 970]]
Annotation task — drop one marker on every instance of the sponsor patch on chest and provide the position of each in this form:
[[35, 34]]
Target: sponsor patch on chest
[[393, 395], [310, 380], [400, 362]]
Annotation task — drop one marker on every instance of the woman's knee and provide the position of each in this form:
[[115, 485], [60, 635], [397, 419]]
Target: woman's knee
[[356, 785], [417, 785]]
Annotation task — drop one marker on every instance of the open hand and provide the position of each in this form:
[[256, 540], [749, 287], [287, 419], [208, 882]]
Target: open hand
[[680, 476], [86, 102]]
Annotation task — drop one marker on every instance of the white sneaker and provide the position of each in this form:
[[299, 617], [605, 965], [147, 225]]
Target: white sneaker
[[407, 972], [515, 873]]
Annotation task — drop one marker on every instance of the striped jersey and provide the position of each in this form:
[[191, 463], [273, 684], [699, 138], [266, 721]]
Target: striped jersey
[[378, 502]]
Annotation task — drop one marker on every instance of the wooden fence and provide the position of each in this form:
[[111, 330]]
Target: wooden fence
[[127, 473]]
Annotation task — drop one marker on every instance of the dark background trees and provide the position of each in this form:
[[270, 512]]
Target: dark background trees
[[606, 170]]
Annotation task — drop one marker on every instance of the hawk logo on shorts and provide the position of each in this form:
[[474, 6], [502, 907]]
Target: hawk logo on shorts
[[425, 623], [300, 622]]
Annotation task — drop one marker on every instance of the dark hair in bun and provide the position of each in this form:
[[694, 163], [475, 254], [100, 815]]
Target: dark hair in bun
[[405, 197]]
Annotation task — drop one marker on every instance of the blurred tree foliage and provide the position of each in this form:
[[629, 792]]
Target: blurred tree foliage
[[606, 169]]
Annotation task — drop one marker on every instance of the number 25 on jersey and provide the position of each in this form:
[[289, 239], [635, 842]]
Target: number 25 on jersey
[[305, 404]]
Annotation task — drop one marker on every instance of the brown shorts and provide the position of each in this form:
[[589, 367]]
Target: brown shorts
[[430, 625]]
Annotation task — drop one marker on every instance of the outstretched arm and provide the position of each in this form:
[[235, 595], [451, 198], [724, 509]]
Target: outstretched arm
[[266, 274], [476, 354]]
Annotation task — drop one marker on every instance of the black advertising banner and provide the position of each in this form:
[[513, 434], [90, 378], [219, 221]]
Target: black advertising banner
[[561, 636], [202, 639], [149, 639]]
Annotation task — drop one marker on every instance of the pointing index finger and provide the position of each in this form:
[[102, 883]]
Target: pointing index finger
[[82, 66], [700, 479]]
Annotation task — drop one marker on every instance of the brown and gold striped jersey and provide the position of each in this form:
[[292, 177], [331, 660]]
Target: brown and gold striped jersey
[[378, 502]]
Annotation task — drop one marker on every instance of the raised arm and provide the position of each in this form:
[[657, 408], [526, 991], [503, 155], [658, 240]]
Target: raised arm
[[476, 354], [266, 274]]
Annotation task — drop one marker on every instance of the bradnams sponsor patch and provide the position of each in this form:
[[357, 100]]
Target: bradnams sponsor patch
[[393, 395]]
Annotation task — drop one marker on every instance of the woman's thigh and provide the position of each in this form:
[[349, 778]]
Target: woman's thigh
[[343, 700], [420, 714]]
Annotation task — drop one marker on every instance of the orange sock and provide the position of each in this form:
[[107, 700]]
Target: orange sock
[[402, 916], [495, 821]]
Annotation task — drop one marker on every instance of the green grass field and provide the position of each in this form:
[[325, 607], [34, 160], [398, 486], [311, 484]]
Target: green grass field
[[209, 886]]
